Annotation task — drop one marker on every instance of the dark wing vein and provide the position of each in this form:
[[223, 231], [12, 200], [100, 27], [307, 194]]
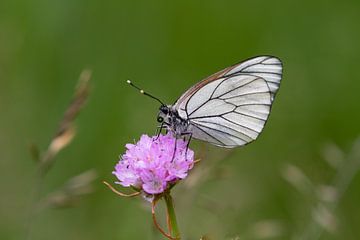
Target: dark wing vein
[[249, 104], [202, 130], [241, 95], [212, 94], [279, 74], [217, 130], [230, 128], [221, 116], [247, 115], [218, 97], [257, 63], [240, 125], [210, 116]]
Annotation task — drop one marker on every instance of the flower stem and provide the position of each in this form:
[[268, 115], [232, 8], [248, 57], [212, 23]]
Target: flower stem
[[172, 217]]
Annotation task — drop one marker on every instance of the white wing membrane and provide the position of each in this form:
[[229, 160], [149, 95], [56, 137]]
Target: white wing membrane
[[255, 111], [267, 67], [225, 124], [230, 108], [202, 95], [218, 137], [251, 98], [231, 85], [212, 107], [234, 114]]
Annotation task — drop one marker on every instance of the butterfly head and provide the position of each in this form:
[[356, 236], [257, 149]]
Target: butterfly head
[[164, 114], [169, 118]]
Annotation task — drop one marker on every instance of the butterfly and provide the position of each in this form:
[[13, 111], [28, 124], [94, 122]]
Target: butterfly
[[229, 108]]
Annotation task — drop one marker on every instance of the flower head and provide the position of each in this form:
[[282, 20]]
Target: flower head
[[153, 163]]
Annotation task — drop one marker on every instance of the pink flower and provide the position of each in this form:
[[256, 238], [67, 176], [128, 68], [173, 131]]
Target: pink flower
[[151, 164]]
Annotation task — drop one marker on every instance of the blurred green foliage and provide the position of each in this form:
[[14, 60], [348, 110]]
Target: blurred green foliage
[[165, 47]]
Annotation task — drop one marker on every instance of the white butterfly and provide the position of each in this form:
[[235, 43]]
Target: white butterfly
[[229, 108]]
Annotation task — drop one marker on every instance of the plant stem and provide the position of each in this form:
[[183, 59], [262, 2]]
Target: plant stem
[[171, 213]]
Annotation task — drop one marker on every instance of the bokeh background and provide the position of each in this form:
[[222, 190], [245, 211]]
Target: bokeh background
[[280, 187]]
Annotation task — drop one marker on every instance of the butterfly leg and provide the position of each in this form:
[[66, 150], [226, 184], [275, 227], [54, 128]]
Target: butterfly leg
[[173, 157], [188, 141], [187, 145], [160, 128]]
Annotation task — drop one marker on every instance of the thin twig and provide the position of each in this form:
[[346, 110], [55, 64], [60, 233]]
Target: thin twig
[[62, 138], [197, 161], [120, 193], [156, 223], [171, 213]]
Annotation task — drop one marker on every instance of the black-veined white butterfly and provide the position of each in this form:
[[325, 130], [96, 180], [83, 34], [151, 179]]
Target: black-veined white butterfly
[[227, 109]]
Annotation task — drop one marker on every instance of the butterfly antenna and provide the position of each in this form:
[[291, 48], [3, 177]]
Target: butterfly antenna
[[145, 93]]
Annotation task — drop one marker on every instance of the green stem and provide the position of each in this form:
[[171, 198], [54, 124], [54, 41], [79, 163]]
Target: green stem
[[171, 213]]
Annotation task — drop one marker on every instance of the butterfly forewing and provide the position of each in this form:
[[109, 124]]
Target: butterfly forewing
[[267, 67], [231, 107]]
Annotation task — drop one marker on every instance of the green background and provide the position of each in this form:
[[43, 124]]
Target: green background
[[166, 46]]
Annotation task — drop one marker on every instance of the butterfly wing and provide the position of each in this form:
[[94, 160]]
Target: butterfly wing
[[267, 67], [231, 107], [230, 111]]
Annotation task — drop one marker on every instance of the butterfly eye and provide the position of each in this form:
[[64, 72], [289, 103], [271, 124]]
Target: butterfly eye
[[160, 119], [164, 109]]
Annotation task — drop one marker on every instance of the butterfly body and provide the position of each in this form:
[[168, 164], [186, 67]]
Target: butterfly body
[[171, 120]]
